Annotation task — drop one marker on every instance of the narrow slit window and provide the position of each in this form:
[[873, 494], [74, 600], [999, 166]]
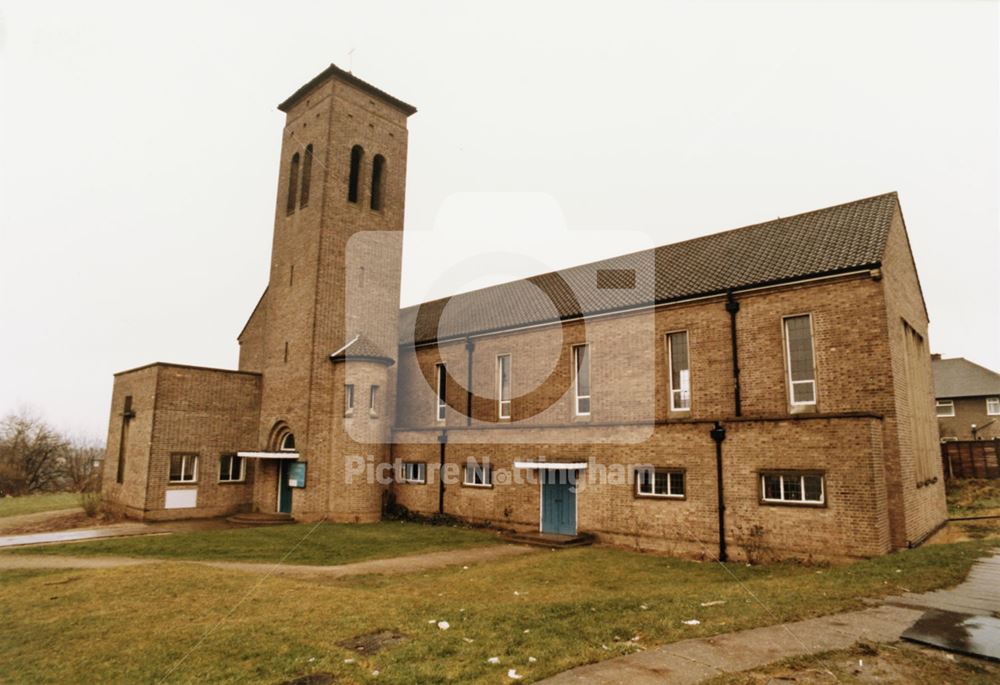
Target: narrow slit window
[[348, 399], [581, 379], [442, 389], [503, 385], [357, 154], [680, 373], [373, 400], [293, 183], [801, 370], [378, 171], [307, 162]]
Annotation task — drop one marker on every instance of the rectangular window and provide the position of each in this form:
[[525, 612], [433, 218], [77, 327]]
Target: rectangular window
[[373, 400], [801, 371], [348, 399], [945, 407], [652, 482], [792, 488], [231, 468], [993, 406], [442, 385], [503, 385], [414, 472], [478, 475], [680, 374], [183, 468], [581, 379]]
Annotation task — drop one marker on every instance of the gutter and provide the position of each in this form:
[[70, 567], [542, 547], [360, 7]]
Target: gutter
[[443, 442], [470, 346], [733, 307], [718, 434]]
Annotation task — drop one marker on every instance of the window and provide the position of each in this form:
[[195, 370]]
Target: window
[[652, 482], [378, 168], [348, 399], [801, 372], [231, 468], [680, 375], [792, 488], [993, 406], [293, 182], [287, 443], [478, 475], [945, 407], [357, 152], [307, 162], [442, 385], [373, 400], [581, 379], [183, 468], [414, 472], [503, 385]]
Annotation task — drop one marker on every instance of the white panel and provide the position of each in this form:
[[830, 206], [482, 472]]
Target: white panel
[[182, 499]]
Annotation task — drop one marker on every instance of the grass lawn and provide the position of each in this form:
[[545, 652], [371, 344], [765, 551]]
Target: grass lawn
[[973, 497], [32, 504], [184, 623], [324, 544]]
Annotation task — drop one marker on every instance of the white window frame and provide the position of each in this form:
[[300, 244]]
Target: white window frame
[[348, 399], [241, 476], [993, 406], [414, 472], [373, 400], [788, 361], [576, 381], [189, 467], [481, 472], [673, 392], [441, 384], [947, 405], [503, 405], [782, 475], [669, 494]]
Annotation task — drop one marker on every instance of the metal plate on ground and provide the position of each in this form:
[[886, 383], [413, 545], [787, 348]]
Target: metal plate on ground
[[972, 634]]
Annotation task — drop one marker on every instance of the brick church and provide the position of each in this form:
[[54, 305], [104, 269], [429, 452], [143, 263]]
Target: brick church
[[767, 387]]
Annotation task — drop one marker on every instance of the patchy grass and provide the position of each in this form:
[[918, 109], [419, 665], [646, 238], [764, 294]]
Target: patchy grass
[[973, 497], [901, 663], [184, 623], [324, 544], [32, 504]]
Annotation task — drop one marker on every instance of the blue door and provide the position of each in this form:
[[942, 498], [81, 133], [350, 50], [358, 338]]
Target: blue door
[[559, 501], [284, 489]]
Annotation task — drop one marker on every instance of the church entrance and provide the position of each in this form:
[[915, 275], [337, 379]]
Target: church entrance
[[284, 489]]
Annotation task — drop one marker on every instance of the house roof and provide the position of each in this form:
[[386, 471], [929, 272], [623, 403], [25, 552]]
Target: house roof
[[361, 348], [959, 377], [828, 241], [333, 71]]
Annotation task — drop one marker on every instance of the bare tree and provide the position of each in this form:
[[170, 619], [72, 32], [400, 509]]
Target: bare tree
[[32, 455], [82, 467]]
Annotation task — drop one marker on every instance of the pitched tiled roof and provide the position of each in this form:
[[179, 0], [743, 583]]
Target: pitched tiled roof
[[961, 378], [361, 348], [333, 71], [826, 241]]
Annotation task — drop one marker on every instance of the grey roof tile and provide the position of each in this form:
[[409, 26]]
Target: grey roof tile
[[959, 377]]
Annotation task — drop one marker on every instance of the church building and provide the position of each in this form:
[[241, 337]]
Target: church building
[[766, 390]]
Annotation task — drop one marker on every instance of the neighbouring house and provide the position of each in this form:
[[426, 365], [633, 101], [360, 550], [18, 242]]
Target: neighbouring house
[[968, 399], [768, 386]]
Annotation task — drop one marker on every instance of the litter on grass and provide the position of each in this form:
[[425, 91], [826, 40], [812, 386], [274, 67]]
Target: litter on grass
[[692, 622]]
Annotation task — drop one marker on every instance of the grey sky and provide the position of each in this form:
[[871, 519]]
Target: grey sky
[[140, 143]]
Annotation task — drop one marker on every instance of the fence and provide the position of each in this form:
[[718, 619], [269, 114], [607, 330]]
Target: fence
[[971, 458]]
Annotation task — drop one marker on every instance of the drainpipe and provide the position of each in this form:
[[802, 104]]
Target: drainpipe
[[732, 306], [718, 434], [443, 442], [470, 345]]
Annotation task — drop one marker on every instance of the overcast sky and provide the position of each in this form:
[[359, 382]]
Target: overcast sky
[[140, 145]]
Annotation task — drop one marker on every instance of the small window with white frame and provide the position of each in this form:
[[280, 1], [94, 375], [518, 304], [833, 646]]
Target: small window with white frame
[[800, 360], [679, 371], [581, 379], [348, 399], [993, 406], [413, 472], [441, 378], [503, 386], [478, 475], [791, 487], [659, 482], [232, 469], [183, 468], [945, 407]]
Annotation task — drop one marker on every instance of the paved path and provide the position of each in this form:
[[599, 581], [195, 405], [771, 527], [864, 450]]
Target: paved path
[[692, 661], [77, 534], [406, 564]]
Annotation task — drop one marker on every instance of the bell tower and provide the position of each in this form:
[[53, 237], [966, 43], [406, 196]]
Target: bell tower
[[333, 288]]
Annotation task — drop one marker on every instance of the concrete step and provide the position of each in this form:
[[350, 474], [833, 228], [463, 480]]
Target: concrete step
[[259, 518], [549, 540]]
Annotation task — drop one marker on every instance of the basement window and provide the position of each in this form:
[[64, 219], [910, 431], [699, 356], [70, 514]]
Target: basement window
[[183, 468], [414, 472], [947, 407], [654, 482], [993, 406], [478, 475], [231, 469], [792, 488]]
